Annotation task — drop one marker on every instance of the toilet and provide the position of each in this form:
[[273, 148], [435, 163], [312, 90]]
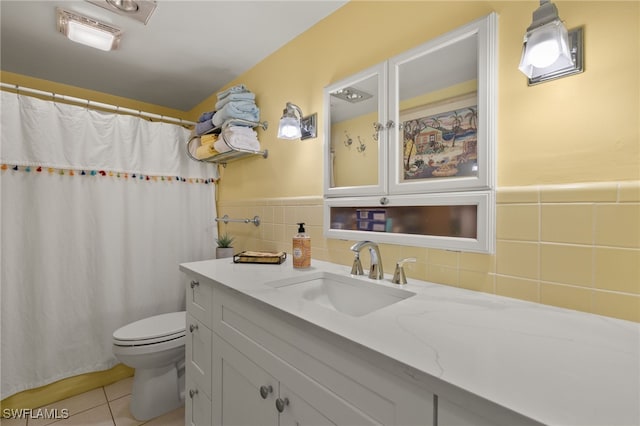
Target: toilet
[[154, 346]]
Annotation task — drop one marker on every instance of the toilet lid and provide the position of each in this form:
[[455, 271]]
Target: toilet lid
[[169, 325]]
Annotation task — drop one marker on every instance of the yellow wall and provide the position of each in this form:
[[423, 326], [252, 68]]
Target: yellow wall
[[568, 153], [351, 166], [64, 89], [579, 129]]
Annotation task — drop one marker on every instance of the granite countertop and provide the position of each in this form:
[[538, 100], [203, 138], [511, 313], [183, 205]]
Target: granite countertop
[[553, 365]]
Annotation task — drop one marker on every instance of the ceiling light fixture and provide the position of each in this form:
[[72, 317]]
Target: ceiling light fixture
[[140, 10], [88, 31], [351, 94], [128, 6], [294, 126], [549, 50]]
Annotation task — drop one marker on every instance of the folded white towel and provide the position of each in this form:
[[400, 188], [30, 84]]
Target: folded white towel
[[221, 146], [238, 137]]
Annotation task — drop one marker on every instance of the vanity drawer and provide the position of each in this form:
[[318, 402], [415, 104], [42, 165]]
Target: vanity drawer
[[199, 298], [198, 354]]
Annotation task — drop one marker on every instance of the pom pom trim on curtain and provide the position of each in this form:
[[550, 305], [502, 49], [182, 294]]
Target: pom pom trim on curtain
[[106, 173], [92, 140]]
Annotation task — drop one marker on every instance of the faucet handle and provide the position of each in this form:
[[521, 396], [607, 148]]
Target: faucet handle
[[356, 269], [398, 276]]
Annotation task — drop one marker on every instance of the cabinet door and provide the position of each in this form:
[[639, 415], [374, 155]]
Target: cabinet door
[[442, 97], [466, 413], [450, 414], [297, 412], [246, 393], [197, 409], [198, 354], [355, 146], [199, 298]]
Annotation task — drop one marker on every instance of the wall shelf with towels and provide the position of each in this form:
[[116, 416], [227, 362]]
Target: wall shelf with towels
[[235, 152]]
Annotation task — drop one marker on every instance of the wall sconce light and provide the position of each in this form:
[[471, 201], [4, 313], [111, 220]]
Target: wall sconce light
[[88, 31], [549, 50], [294, 126]]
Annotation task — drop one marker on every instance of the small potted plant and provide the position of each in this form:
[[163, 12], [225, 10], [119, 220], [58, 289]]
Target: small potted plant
[[225, 248]]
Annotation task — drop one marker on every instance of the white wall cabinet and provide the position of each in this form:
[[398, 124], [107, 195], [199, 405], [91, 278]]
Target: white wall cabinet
[[421, 124]]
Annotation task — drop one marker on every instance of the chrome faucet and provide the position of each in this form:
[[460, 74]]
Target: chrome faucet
[[376, 271], [399, 276]]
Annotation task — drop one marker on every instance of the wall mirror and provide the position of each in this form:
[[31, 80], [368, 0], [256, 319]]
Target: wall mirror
[[443, 110], [356, 144]]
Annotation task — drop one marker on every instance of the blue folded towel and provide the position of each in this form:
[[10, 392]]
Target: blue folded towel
[[239, 88], [242, 96], [206, 116], [204, 127], [245, 110]]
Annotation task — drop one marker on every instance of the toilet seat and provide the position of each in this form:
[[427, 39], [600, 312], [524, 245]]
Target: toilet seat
[[152, 330]]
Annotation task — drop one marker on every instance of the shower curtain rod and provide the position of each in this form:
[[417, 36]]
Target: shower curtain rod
[[94, 104]]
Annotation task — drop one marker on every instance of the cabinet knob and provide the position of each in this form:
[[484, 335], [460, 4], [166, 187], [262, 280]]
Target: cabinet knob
[[281, 403], [265, 391], [194, 283], [193, 327], [192, 393], [384, 201]]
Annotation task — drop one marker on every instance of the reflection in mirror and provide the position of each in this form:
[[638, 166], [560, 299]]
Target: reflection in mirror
[[354, 141], [458, 221], [438, 112]]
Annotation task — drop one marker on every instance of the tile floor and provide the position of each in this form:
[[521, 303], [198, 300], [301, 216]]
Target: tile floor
[[105, 406]]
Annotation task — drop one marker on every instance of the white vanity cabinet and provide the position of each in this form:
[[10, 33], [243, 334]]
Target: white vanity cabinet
[[444, 356], [324, 381], [255, 365]]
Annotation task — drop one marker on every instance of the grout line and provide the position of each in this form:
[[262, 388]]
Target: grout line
[[538, 285], [113, 420]]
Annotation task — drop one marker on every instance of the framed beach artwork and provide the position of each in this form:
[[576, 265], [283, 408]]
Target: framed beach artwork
[[440, 139]]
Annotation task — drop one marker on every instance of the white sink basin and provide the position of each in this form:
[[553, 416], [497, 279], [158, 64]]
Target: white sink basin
[[344, 294]]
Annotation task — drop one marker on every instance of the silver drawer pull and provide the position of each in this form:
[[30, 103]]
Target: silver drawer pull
[[193, 327], [194, 283], [192, 393], [281, 403], [265, 391]]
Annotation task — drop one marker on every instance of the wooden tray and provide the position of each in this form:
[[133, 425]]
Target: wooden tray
[[260, 257]]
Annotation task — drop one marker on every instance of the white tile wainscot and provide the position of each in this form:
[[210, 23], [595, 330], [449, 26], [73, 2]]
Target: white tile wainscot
[[445, 356]]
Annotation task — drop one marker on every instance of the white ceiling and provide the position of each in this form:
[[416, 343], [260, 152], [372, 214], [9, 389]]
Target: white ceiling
[[186, 52]]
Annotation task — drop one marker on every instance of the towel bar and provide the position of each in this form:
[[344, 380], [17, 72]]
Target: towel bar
[[226, 219]]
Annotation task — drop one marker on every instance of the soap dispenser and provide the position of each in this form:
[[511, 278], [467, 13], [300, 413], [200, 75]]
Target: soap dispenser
[[301, 248]]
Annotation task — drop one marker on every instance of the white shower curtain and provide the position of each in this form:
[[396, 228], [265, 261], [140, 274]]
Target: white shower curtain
[[97, 211]]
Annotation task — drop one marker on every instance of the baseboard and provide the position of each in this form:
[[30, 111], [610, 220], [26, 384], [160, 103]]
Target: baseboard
[[65, 388]]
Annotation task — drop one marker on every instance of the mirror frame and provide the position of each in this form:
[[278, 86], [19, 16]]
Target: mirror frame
[[379, 70], [485, 31]]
